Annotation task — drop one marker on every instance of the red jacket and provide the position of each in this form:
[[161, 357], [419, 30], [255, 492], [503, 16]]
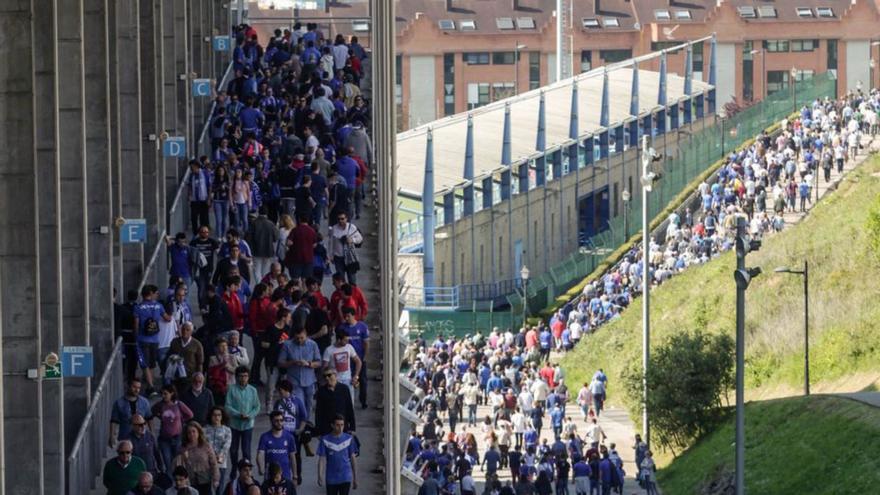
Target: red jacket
[[357, 301], [262, 315], [235, 309]]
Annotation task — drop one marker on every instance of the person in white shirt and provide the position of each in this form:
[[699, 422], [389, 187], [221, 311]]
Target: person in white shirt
[[339, 356], [518, 420], [169, 328], [595, 434]]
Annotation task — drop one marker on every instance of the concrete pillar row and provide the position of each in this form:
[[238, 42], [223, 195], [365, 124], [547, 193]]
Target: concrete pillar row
[[169, 93], [151, 108]]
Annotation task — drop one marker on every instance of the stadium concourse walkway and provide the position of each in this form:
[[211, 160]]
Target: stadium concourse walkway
[[616, 422], [369, 421]]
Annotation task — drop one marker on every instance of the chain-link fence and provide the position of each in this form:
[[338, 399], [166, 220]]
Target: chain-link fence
[[696, 153]]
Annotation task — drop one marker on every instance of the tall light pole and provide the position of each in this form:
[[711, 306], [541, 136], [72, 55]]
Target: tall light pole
[[516, 49], [794, 73], [806, 274], [743, 277], [524, 275], [647, 181], [626, 197]]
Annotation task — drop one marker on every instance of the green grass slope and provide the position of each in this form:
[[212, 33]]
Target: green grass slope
[[844, 314], [814, 445]]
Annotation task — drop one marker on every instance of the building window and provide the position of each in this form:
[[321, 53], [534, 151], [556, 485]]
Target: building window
[[534, 70], [611, 56], [804, 45], [502, 90], [748, 74], [776, 46], [475, 58], [478, 95], [586, 60], [448, 83], [777, 80], [398, 79], [503, 58], [804, 75], [656, 46], [697, 59], [832, 54]]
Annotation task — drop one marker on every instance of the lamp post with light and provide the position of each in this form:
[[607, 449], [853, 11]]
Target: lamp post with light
[[524, 275], [806, 274], [516, 49], [626, 197], [794, 73]]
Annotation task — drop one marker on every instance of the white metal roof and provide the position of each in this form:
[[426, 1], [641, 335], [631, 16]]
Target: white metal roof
[[450, 133]]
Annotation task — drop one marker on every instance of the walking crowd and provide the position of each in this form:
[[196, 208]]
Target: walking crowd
[[510, 372], [287, 176]]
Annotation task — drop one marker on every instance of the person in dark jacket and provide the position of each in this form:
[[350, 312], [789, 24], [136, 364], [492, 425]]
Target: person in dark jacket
[[330, 400], [217, 319], [262, 236], [198, 399], [146, 486]]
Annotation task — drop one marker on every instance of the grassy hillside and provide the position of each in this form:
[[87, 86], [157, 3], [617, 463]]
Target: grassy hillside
[[844, 314], [819, 444]]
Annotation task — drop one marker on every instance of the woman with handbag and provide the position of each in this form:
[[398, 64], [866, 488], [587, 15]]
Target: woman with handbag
[[344, 238]]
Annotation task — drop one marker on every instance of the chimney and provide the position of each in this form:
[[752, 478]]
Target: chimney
[[596, 7], [448, 5], [515, 5]]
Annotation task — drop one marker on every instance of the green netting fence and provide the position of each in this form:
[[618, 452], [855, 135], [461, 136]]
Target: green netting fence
[[696, 152]]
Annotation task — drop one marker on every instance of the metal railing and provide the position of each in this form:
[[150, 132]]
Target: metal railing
[[90, 447]]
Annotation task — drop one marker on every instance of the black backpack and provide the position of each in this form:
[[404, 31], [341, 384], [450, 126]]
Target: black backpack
[[151, 327]]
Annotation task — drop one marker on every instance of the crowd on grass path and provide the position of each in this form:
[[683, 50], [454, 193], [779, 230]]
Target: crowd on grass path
[[285, 180], [510, 373]]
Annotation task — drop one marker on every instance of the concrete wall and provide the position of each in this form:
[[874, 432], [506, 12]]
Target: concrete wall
[[858, 71], [482, 248], [421, 89], [81, 88]]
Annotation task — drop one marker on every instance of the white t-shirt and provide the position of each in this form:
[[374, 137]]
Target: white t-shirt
[[167, 331], [340, 359]]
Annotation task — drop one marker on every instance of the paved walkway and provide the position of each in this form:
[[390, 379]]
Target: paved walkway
[[870, 398]]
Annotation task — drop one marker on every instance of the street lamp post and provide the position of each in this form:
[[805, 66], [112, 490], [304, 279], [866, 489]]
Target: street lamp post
[[647, 181], [524, 274], [516, 49], [806, 274], [626, 197], [794, 73]]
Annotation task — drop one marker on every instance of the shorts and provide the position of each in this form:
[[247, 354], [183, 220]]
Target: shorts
[[149, 354]]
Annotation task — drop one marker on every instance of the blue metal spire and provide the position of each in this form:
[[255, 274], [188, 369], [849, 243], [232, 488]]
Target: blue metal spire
[[469, 168], [428, 215], [573, 122], [634, 100], [605, 116], [505, 144], [688, 70], [541, 139], [661, 91]]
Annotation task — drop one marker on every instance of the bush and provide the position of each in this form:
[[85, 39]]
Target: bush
[[687, 377], [873, 228]]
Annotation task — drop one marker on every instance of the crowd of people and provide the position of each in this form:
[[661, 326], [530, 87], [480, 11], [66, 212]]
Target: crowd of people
[[291, 157], [511, 373]]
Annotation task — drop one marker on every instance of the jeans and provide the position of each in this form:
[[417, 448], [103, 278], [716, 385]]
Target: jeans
[[168, 448], [242, 439], [651, 488], [198, 214], [257, 362], [306, 394], [362, 384], [223, 473], [221, 216], [203, 280], [472, 416], [340, 489], [318, 214], [262, 266], [287, 206], [241, 218], [339, 264], [300, 270]]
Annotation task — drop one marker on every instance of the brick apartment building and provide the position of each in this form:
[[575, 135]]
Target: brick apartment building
[[454, 55]]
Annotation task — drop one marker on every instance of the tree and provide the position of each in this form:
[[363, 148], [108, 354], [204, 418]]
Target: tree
[[687, 377]]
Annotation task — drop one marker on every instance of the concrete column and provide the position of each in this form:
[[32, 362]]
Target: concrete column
[[195, 29], [169, 94], [71, 165], [183, 67], [48, 191], [151, 114], [20, 309], [129, 133], [99, 197]]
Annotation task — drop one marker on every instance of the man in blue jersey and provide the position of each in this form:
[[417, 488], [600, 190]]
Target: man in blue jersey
[[147, 316], [336, 460], [277, 445]]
